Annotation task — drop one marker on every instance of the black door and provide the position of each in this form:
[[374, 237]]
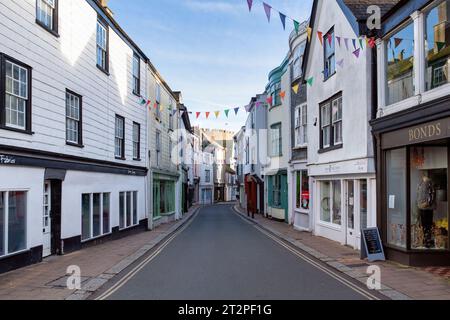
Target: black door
[[55, 214]]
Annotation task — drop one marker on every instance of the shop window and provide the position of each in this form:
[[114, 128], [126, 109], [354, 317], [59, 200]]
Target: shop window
[[363, 197], [13, 213], [396, 197], [330, 202], [95, 217], [127, 209], [164, 198], [400, 65], [276, 191], [437, 45], [302, 190], [429, 203]]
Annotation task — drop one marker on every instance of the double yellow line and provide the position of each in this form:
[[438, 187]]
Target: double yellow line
[[108, 293], [335, 275]]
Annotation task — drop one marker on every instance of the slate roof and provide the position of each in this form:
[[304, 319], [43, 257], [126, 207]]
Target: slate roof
[[359, 7]]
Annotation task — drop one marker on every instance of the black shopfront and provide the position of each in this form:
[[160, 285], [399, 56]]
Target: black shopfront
[[413, 160]]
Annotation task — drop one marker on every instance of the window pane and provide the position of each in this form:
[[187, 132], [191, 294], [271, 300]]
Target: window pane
[[400, 65], [337, 217], [305, 190], [135, 208], [437, 46], [363, 203], [128, 209], [429, 203], [122, 210], [17, 214], [86, 216], [2, 223], [325, 201], [351, 205], [106, 213], [396, 197], [96, 214]]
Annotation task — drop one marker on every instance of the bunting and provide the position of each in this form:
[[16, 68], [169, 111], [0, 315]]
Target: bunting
[[283, 95], [295, 88], [283, 20], [297, 27], [310, 81], [309, 32], [397, 42], [207, 114], [227, 112], [357, 52], [338, 40], [197, 114], [320, 36], [217, 113], [340, 63], [250, 4], [269, 100], [267, 9], [236, 111]]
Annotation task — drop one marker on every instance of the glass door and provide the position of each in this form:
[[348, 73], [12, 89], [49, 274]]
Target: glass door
[[350, 203], [46, 221]]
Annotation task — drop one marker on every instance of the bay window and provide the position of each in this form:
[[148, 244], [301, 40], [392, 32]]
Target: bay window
[[13, 219], [437, 45], [95, 215]]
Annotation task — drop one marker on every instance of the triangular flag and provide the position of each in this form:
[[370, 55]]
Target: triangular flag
[[236, 110], [330, 39], [338, 40], [267, 9], [282, 95], [397, 41], [269, 100], [340, 63], [440, 45], [357, 52], [217, 113], [320, 36], [250, 4], [148, 103], [310, 81], [142, 102], [155, 105], [197, 114], [227, 112], [297, 28], [283, 20], [346, 43], [257, 104], [372, 43], [354, 43], [308, 30], [207, 114], [361, 43], [295, 88]]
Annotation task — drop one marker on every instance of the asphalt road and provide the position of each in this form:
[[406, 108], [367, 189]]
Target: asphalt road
[[220, 256]]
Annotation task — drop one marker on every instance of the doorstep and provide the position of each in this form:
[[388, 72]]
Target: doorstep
[[398, 282], [98, 264]]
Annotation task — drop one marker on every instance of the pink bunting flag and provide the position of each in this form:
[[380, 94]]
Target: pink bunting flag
[[357, 52], [267, 9], [269, 100], [340, 63], [250, 4], [338, 40]]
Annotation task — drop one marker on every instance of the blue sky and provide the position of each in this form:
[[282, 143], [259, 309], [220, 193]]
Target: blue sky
[[214, 51]]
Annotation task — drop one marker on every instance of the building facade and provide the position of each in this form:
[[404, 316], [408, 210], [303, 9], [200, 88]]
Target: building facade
[[412, 131], [73, 133]]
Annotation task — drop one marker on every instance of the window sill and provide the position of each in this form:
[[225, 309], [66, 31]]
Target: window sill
[[137, 159], [336, 147], [137, 94], [43, 26], [330, 225], [29, 132], [121, 158], [305, 146], [103, 70], [76, 145], [329, 77]]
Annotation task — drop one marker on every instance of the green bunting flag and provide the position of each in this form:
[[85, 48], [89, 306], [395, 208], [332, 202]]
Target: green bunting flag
[[310, 81], [361, 43], [227, 112], [440, 45], [296, 26]]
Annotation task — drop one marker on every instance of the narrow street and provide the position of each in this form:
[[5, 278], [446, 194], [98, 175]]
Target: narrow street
[[222, 256]]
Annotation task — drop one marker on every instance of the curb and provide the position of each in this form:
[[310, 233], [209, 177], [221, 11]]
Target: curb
[[94, 284], [386, 291]]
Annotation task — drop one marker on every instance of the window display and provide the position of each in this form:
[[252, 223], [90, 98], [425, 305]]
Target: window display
[[325, 190], [429, 203], [302, 190], [396, 197]]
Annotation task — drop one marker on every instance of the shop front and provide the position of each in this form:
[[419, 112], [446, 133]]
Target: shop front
[[164, 198], [277, 196], [414, 191]]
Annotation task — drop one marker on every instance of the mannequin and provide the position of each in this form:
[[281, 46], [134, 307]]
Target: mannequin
[[426, 198]]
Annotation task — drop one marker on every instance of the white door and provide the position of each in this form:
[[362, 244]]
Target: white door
[[46, 222], [351, 212]]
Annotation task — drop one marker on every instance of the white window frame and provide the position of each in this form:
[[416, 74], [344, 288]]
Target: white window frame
[[102, 46], [331, 197], [45, 13], [136, 141], [276, 140], [6, 222], [91, 215], [301, 126], [73, 115], [136, 74], [337, 121], [119, 137], [326, 125], [132, 209], [297, 71], [19, 96]]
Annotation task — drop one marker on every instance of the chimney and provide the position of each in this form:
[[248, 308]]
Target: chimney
[[104, 4]]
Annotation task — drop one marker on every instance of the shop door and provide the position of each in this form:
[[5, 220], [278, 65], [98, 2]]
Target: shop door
[[46, 221], [351, 213]]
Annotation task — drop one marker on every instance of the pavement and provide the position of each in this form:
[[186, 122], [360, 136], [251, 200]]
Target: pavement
[[98, 264], [399, 282], [220, 256]]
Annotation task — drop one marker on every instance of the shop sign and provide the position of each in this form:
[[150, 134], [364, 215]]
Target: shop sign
[[4, 159], [373, 245]]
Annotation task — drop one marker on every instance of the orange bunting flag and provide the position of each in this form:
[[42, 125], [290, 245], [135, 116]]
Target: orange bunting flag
[[217, 113], [320, 35], [283, 95]]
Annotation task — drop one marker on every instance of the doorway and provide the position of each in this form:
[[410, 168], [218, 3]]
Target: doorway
[[51, 218], [352, 215], [46, 222]]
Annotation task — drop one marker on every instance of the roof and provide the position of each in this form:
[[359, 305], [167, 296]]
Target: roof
[[359, 7]]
